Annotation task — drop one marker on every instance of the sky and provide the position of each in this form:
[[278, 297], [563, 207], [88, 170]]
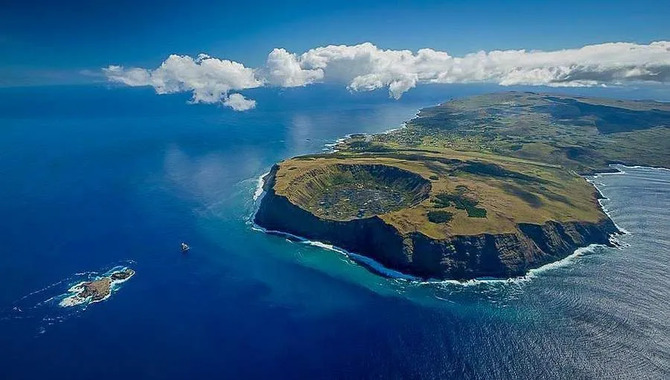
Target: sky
[[70, 42]]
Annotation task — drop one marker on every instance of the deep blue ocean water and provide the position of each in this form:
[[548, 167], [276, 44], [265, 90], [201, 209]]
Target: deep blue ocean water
[[95, 177]]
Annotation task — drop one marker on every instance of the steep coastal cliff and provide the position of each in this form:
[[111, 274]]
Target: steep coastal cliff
[[459, 257]]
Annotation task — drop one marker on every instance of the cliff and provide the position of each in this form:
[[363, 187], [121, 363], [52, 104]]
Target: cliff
[[459, 257]]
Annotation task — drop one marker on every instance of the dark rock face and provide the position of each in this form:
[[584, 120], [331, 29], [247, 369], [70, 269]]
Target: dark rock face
[[459, 257]]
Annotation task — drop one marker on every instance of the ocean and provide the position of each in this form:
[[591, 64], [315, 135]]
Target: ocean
[[97, 177]]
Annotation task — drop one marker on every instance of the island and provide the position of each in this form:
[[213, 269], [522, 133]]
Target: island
[[487, 186], [96, 290]]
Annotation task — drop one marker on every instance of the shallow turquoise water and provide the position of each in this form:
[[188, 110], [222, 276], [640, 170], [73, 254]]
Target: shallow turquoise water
[[98, 177]]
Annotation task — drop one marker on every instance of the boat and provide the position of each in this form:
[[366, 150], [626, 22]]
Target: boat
[[184, 247]]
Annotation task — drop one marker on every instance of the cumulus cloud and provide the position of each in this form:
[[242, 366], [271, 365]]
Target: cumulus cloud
[[239, 103], [284, 69], [365, 67], [210, 80]]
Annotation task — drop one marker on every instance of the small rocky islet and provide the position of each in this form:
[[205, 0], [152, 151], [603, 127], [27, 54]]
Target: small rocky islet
[[96, 290], [487, 186]]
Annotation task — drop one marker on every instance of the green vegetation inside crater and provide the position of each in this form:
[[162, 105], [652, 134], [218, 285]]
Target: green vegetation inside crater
[[344, 192]]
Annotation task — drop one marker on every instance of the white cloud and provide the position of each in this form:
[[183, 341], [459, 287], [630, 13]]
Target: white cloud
[[209, 79], [283, 69], [131, 77], [365, 67], [239, 102]]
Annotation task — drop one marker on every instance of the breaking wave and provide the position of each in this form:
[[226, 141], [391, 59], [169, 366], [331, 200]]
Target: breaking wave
[[259, 186], [46, 306]]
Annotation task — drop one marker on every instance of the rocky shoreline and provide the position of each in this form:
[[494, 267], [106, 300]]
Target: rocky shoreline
[[96, 290], [461, 257]]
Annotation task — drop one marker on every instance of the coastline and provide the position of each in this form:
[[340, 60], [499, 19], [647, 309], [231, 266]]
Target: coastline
[[379, 269], [364, 261], [72, 296]]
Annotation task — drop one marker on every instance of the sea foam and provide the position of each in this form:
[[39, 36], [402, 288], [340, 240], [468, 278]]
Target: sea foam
[[259, 186], [73, 299]]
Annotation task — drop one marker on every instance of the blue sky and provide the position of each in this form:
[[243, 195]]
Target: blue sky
[[51, 42]]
